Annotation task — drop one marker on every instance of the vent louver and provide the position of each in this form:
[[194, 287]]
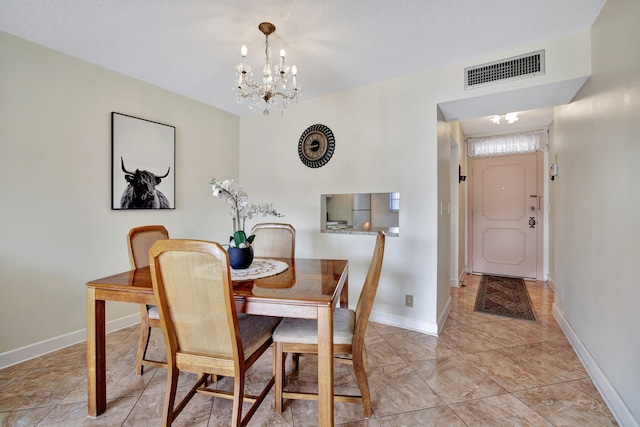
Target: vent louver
[[517, 67]]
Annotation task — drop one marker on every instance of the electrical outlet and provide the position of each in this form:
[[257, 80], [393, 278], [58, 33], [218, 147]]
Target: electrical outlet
[[408, 300]]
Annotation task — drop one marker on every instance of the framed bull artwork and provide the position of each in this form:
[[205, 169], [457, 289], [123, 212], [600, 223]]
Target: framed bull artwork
[[142, 163]]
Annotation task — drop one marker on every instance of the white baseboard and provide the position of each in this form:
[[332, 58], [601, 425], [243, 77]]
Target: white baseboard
[[32, 351], [430, 328], [445, 314], [22, 354], [616, 405], [551, 283], [455, 283]]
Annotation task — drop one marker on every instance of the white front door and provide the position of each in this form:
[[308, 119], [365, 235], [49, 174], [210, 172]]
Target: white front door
[[504, 215]]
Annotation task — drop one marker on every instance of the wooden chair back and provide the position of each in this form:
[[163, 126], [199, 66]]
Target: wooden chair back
[[192, 282], [202, 332], [139, 241], [296, 336], [368, 294], [274, 240]]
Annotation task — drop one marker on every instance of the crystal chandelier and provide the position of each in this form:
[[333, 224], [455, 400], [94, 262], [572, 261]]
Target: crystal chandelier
[[275, 88]]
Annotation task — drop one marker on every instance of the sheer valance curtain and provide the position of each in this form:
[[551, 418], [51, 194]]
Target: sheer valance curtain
[[514, 143]]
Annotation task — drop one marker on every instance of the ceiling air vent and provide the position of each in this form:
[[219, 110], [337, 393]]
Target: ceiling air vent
[[517, 67]]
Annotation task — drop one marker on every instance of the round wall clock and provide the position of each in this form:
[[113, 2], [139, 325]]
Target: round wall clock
[[316, 146]]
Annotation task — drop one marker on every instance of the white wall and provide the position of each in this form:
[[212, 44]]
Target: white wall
[[443, 298], [386, 140], [458, 162], [595, 211], [57, 230], [372, 127]]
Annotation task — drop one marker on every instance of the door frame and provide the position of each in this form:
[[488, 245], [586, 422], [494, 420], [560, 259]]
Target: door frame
[[454, 211], [541, 159]]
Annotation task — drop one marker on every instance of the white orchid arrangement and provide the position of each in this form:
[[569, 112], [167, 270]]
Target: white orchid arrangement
[[240, 208]]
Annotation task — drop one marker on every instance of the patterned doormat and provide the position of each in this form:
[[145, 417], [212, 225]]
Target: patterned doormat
[[504, 296]]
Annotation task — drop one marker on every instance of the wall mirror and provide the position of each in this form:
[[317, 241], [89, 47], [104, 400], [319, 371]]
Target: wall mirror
[[360, 213]]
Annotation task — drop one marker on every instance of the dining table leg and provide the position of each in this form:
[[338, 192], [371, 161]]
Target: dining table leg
[[96, 359], [325, 366], [344, 295]]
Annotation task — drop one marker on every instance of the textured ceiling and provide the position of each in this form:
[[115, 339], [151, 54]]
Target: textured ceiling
[[191, 47]]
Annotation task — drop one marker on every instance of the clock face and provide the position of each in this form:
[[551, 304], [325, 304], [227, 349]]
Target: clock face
[[316, 146]]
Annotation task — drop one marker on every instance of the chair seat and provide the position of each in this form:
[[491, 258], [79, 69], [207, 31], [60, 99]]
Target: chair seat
[[305, 331], [255, 331], [152, 310]]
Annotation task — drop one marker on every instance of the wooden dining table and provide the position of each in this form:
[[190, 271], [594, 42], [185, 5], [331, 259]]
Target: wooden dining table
[[308, 288]]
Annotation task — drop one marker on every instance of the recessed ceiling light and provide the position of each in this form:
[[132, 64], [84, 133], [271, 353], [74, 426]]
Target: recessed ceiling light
[[509, 117]]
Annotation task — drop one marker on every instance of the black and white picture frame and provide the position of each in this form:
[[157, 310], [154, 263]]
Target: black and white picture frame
[[142, 163]]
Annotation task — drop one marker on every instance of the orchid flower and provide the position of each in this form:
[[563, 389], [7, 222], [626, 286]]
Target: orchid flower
[[240, 208]]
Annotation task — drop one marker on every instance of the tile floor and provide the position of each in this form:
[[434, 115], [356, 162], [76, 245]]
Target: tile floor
[[481, 371]]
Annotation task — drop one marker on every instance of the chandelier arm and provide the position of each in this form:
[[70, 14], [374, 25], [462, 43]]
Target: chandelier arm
[[246, 95], [248, 82], [286, 95]]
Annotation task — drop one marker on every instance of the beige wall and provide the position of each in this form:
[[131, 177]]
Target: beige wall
[[595, 210], [56, 228]]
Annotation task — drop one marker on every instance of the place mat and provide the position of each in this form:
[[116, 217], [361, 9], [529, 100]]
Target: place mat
[[259, 268]]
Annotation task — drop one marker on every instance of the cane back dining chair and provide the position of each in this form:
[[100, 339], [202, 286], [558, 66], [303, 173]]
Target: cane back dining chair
[[139, 241], [301, 336], [275, 240], [202, 332]]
